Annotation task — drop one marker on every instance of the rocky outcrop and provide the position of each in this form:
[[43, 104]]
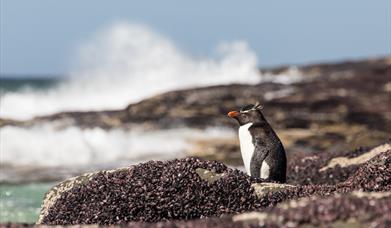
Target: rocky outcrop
[[191, 188], [334, 107]]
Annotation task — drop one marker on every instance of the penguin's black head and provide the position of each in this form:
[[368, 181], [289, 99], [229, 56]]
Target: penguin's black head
[[248, 114]]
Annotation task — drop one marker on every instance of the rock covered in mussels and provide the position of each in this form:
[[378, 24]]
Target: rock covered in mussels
[[151, 192], [330, 168], [185, 189], [356, 209]]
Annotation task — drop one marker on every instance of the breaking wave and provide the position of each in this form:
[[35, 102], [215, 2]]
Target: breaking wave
[[126, 63], [46, 146]]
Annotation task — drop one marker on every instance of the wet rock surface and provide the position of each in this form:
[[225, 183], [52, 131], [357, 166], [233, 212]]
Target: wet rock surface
[[191, 188]]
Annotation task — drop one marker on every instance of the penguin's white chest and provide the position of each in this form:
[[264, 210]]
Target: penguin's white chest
[[246, 145], [247, 149]]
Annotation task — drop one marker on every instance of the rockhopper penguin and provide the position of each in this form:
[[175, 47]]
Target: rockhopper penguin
[[262, 151]]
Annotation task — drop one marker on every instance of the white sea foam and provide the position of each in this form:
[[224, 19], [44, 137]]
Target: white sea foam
[[47, 146], [126, 63], [289, 76]]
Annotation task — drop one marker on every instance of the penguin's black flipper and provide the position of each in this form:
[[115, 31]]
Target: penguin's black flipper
[[256, 162]]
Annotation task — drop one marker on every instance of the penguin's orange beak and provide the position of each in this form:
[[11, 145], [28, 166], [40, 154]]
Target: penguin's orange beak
[[233, 114]]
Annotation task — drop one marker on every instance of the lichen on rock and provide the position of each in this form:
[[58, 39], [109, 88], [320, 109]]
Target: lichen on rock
[[208, 175], [263, 189]]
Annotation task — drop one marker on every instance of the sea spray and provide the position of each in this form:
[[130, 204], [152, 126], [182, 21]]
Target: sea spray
[[125, 63], [47, 146]]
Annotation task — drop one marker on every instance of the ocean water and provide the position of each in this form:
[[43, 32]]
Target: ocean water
[[21, 203], [9, 84]]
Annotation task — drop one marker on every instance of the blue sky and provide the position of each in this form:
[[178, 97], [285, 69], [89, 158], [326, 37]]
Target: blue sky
[[41, 37]]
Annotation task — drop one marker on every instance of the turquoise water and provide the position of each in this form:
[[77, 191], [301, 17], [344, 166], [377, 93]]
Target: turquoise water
[[22, 202]]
